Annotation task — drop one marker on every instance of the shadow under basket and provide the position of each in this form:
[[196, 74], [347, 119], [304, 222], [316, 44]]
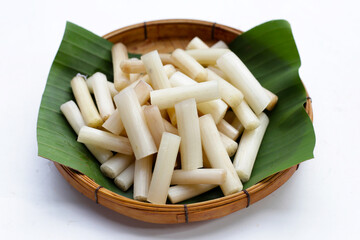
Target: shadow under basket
[[165, 36]]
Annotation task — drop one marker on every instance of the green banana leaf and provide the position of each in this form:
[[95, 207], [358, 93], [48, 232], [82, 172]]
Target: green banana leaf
[[268, 50]]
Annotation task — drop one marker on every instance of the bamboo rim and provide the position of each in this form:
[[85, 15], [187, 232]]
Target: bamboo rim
[[176, 213]]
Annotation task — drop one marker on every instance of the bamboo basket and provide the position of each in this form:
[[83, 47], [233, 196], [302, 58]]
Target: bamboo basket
[[165, 36]]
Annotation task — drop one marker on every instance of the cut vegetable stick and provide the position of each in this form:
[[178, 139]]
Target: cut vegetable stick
[[199, 176], [101, 154], [102, 95], [206, 56], [119, 54], [229, 116], [144, 78], [142, 91], [189, 65], [197, 43], [111, 87], [115, 165], [134, 122], [125, 179], [229, 144], [217, 108], [226, 128], [169, 69], [179, 79], [230, 94], [169, 127], [155, 123], [248, 148], [158, 75], [202, 92], [246, 116], [114, 124], [220, 44], [181, 193], [164, 167], [220, 73], [237, 125], [274, 100], [86, 104], [76, 121], [134, 77], [73, 115], [104, 140], [166, 58], [244, 80], [155, 70], [171, 111], [217, 155], [189, 131], [132, 66], [142, 177]]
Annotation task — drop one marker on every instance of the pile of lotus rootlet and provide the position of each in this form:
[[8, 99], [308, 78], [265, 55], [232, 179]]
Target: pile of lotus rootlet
[[151, 111]]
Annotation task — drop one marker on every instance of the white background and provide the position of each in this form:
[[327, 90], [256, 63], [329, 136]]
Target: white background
[[320, 201]]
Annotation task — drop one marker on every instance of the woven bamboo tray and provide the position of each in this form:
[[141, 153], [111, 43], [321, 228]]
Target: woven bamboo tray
[[165, 36]]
